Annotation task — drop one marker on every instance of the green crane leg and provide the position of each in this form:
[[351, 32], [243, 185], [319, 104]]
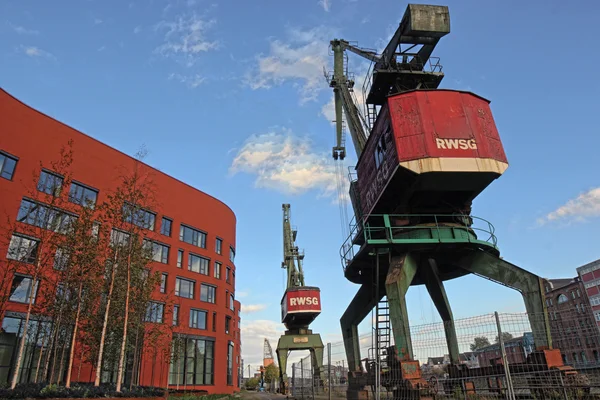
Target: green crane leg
[[289, 342], [401, 272], [362, 304], [436, 290], [528, 284], [282, 357]]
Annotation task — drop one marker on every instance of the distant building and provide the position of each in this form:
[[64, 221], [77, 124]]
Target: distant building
[[517, 350], [572, 324], [590, 278]]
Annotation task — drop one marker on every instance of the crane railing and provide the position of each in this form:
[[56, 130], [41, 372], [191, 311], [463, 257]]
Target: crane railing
[[388, 229]]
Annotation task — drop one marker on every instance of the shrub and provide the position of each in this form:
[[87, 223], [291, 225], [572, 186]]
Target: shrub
[[77, 391]]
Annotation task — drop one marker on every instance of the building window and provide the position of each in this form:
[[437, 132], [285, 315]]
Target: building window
[[96, 230], [227, 324], [577, 308], [231, 302], [572, 294], [230, 363], [214, 321], [50, 183], [192, 236], [192, 362], [83, 195], [208, 293], [578, 293], [217, 271], [597, 315], [160, 252], [175, 315], [198, 319], [184, 288], [180, 258], [23, 289], [45, 217], [7, 166], [119, 238], [22, 249], [61, 259], [582, 307], [562, 299], [138, 216], [198, 264], [219, 246], [163, 282], [231, 254], [154, 312], [165, 226], [228, 275]]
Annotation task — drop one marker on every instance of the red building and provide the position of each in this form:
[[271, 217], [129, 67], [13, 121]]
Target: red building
[[590, 277], [195, 232], [572, 324]]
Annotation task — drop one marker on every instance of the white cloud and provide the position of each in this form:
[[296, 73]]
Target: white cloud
[[192, 81], [299, 60], [326, 4], [284, 162], [253, 338], [137, 29], [33, 51], [23, 31], [586, 205], [185, 38], [241, 294], [252, 308], [97, 21], [101, 48]]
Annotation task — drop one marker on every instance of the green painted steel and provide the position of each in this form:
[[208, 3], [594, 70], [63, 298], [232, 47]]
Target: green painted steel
[[309, 341], [400, 274]]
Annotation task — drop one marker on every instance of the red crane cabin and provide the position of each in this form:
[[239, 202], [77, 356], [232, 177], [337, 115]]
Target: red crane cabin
[[429, 147]]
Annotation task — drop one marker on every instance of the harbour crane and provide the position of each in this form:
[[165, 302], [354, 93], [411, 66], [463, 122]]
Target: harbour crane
[[300, 306]]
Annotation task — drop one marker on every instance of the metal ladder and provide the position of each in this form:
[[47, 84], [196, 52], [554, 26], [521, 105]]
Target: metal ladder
[[383, 331]]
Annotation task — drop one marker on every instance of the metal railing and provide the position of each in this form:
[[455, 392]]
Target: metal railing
[[379, 229]]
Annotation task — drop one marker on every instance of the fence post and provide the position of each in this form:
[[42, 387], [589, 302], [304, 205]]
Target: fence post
[[293, 379], [302, 377], [509, 386], [329, 369]]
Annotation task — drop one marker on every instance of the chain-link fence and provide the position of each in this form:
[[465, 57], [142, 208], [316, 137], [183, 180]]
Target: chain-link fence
[[498, 357]]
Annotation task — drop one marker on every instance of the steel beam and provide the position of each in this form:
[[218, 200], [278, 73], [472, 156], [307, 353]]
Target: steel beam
[[362, 304], [529, 284], [435, 287], [289, 342], [400, 275]]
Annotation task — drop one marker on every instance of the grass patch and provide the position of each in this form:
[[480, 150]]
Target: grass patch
[[76, 391]]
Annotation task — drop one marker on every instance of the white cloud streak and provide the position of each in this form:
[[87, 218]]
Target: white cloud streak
[[33, 51], [286, 163], [299, 60], [137, 29], [186, 38], [326, 4], [252, 308], [584, 206], [23, 31], [191, 81]]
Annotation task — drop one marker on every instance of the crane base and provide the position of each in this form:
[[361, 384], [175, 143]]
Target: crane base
[[302, 339]]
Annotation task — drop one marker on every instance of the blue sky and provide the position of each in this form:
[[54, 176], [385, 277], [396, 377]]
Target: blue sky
[[230, 97]]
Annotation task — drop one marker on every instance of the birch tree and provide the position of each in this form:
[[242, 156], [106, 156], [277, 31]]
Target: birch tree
[[41, 223]]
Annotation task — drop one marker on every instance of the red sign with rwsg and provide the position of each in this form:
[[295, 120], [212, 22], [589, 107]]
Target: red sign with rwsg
[[303, 301]]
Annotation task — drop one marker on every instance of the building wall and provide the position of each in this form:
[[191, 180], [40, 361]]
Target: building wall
[[36, 139], [590, 277], [572, 324]]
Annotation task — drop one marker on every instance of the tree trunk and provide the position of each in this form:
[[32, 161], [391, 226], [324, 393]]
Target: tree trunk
[[39, 363], [125, 322], [62, 360], [135, 356], [74, 338], [105, 324], [55, 343], [34, 288]]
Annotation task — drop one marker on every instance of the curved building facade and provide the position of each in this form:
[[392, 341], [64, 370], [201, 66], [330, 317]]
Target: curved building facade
[[195, 232]]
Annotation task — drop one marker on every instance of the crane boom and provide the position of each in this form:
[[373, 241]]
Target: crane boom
[[292, 257]]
